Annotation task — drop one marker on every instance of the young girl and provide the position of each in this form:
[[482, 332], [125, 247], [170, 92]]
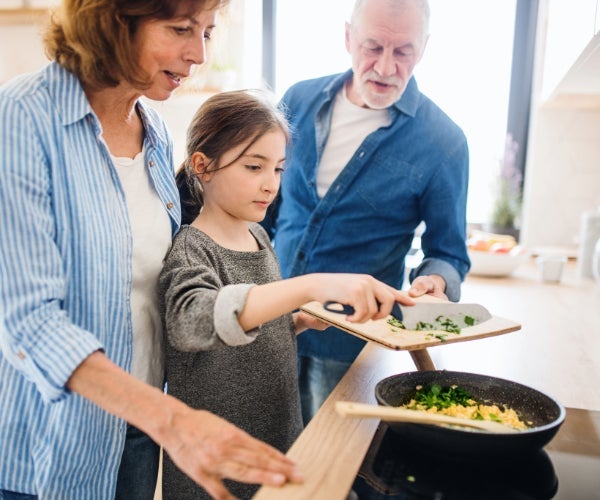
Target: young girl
[[230, 334]]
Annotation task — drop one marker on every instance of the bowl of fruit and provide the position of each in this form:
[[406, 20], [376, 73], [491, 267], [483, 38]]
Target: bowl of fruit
[[495, 255]]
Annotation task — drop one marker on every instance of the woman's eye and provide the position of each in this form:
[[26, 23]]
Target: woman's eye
[[181, 30], [253, 167], [207, 35], [280, 170]]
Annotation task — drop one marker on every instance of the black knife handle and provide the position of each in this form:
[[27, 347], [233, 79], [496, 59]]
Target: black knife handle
[[347, 309]]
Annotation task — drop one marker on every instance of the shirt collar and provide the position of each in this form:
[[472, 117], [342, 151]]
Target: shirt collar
[[66, 91], [407, 104]]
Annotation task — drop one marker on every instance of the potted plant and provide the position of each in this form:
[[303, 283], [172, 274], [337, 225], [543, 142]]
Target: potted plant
[[506, 211]]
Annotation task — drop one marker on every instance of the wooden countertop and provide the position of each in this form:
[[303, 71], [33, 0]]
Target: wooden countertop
[[557, 351]]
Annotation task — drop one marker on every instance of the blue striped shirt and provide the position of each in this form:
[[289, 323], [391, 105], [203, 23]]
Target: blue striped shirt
[[65, 282]]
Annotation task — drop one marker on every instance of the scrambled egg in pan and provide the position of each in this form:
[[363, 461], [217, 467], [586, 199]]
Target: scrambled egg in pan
[[455, 402]]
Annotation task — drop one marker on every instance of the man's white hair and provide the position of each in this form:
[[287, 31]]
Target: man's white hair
[[397, 5]]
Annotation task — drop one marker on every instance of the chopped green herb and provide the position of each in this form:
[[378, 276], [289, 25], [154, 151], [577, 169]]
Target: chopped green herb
[[441, 323], [421, 325], [442, 397], [395, 323]]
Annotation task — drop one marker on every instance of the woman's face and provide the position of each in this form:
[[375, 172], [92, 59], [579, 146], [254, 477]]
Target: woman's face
[[167, 50]]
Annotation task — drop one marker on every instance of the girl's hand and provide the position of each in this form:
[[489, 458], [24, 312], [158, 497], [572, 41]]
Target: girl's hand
[[304, 321], [370, 298]]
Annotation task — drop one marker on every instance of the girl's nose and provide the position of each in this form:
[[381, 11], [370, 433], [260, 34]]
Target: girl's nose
[[271, 183]]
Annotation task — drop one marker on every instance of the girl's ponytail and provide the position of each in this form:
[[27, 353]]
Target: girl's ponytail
[[190, 192]]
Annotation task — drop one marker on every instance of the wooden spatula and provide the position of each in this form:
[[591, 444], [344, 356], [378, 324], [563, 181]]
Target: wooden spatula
[[391, 414]]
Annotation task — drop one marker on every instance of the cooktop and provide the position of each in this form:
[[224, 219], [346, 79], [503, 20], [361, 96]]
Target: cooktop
[[396, 470]]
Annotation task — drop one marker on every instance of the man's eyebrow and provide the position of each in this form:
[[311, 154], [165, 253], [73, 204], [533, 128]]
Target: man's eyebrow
[[408, 45]]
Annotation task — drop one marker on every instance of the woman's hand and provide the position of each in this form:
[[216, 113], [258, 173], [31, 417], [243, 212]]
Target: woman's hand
[[205, 446], [209, 449]]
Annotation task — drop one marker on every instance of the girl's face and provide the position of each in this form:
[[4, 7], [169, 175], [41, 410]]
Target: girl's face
[[245, 189], [167, 49]]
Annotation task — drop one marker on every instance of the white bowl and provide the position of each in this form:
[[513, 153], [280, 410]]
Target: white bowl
[[495, 264]]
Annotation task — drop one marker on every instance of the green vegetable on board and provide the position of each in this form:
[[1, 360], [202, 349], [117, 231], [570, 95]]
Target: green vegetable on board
[[441, 323]]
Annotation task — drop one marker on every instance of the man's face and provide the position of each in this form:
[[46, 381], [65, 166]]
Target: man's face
[[385, 44]]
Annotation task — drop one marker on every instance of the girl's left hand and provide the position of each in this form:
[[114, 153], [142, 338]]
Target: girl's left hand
[[304, 321]]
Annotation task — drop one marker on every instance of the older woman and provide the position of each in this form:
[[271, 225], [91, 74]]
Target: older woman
[[89, 206]]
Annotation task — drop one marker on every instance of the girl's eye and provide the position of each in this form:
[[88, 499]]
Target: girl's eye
[[253, 167], [280, 170], [207, 35]]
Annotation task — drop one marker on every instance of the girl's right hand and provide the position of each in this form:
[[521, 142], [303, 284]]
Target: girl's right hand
[[370, 298]]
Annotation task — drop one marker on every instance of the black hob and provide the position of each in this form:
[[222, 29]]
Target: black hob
[[395, 470]]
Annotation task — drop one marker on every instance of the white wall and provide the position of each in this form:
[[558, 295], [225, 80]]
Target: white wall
[[563, 175]]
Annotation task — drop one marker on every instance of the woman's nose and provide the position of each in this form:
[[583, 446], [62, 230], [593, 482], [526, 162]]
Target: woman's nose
[[197, 52]]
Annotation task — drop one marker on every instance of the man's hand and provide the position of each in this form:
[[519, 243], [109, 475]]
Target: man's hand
[[432, 284]]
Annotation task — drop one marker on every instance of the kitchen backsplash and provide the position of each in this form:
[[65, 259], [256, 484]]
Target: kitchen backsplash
[[563, 173]]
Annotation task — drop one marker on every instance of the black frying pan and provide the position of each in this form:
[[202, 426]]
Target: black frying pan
[[545, 414]]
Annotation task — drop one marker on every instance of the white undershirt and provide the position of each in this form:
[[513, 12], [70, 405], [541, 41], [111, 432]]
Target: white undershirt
[[350, 124], [151, 229]]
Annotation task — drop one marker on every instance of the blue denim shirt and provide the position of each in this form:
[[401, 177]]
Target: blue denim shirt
[[415, 169]]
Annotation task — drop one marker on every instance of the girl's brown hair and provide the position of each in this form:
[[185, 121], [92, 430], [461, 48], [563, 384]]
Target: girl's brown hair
[[224, 121], [94, 38]]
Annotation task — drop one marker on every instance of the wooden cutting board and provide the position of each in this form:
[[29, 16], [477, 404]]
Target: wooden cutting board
[[381, 332]]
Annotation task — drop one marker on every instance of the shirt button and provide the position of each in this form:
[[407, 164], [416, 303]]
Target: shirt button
[[170, 205], [361, 154], [151, 163]]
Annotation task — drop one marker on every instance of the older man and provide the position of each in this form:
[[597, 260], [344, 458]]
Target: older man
[[371, 158]]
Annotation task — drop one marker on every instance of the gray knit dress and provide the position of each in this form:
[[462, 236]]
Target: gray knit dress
[[248, 378]]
